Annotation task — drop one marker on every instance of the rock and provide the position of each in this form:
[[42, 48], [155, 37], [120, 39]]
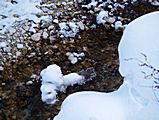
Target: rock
[[18, 53], [52, 39], [29, 82], [1, 68], [51, 27], [56, 21], [36, 36], [45, 35], [81, 25], [20, 46]]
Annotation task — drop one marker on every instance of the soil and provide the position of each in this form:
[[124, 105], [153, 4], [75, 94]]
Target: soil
[[21, 101]]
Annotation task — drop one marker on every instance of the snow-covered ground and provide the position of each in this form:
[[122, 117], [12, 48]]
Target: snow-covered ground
[[17, 10]]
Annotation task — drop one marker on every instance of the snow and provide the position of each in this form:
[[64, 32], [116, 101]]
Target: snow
[[45, 35], [101, 16], [56, 21], [69, 29], [74, 57], [29, 82], [154, 2], [138, 49], [118, 25], [49, 93], [52, 74], [72, 79], [81, 25], [53, 81], [135, 99], [104, 17], [3, 44], [20, 10], [92, 4], [1, 68], [91, 105], [20, 46]]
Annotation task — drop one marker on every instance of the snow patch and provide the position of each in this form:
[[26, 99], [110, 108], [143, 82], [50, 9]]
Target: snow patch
[[17, 11], [74, 57], [70, 29], [3, 44], [53, 80], [154, 2], [101, 16]]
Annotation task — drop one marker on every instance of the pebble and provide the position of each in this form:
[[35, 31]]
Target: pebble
[[14, 117], [29, 82], [20, 46], [3, 84], [18, 53], [81, 25], [45, 35], [52, 39], [1, 68], [36, 36], [51, 27]]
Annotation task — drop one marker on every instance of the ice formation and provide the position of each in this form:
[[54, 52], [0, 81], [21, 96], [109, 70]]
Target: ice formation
[[136, 99]]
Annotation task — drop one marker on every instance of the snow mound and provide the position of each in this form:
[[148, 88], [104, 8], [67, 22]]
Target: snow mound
[[91, 105], [53, 80], [136, 99], [139, 49]]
